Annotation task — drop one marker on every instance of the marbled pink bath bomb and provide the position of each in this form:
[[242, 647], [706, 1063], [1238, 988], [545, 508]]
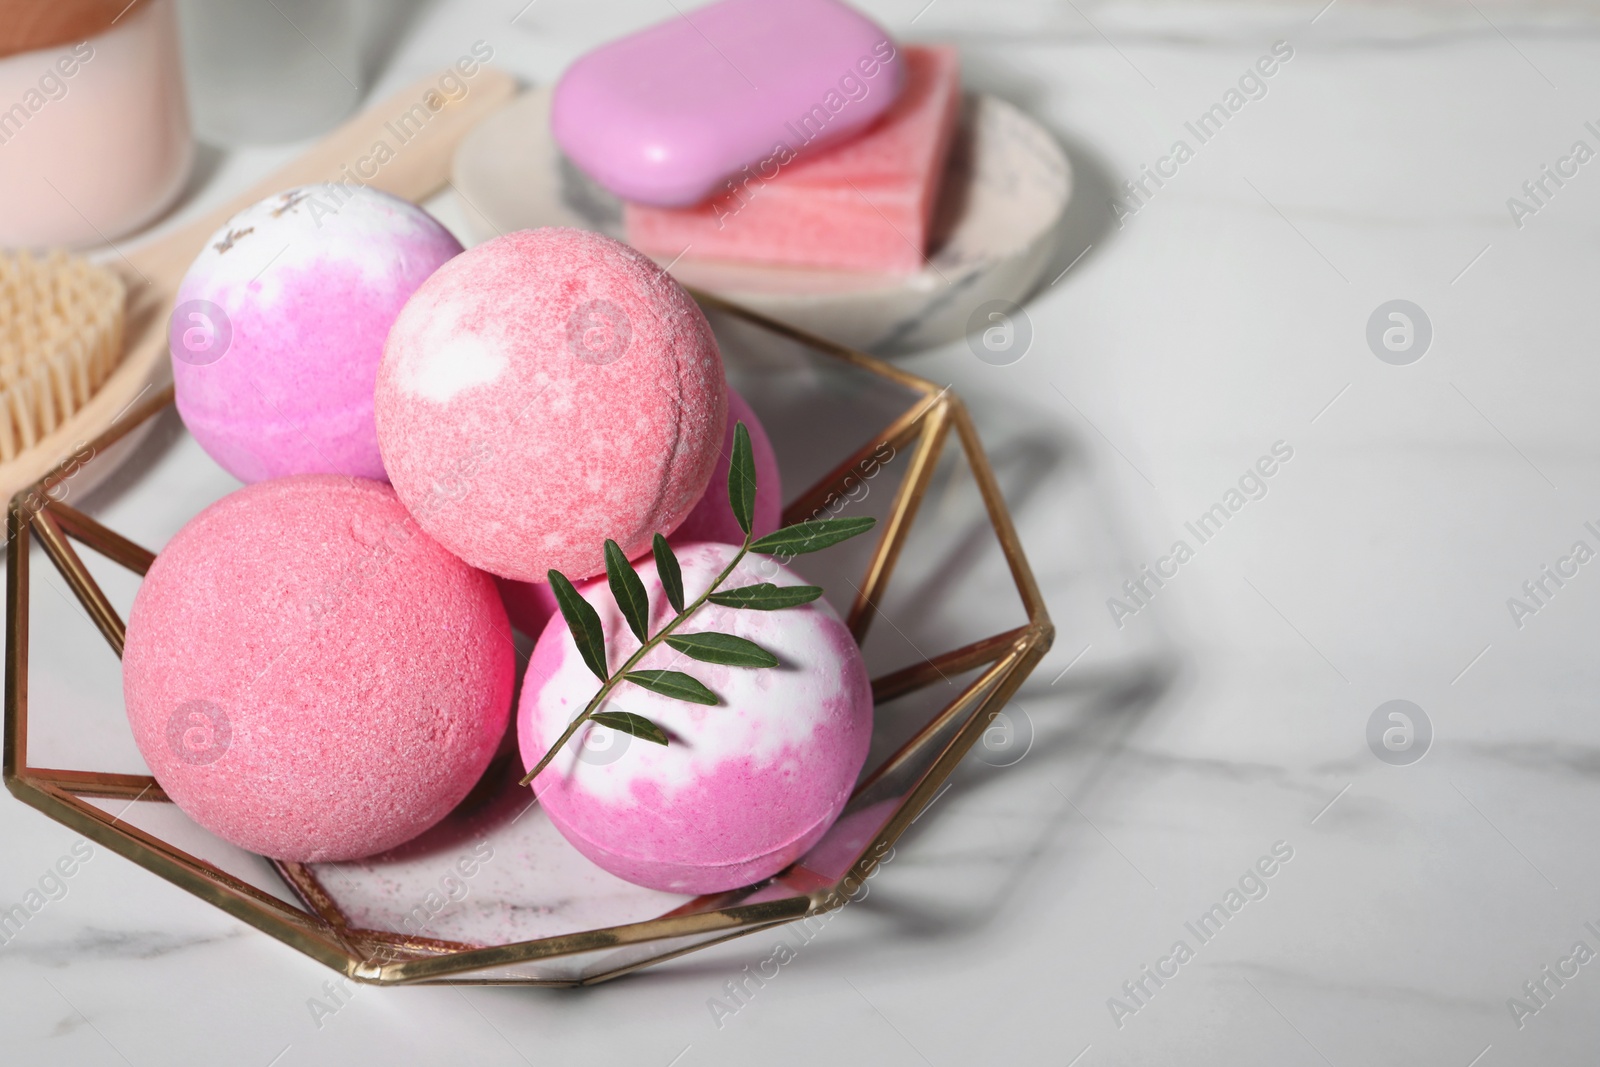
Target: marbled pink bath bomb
[[310, 676], [745, 787], [531, 604], [279, 327], [543, 392]]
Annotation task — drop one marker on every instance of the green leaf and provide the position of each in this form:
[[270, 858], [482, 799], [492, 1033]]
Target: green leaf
[[742, 479], [668, 571], [726, 649], [629, 723], [584, 623], [628, 591], [812, 536], [766, 596], [673, 684]]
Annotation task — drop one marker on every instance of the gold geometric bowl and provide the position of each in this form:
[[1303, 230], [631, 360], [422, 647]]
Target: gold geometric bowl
[[531, 911]]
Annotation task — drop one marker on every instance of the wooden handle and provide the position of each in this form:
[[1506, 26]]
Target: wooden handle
[[417, 128]]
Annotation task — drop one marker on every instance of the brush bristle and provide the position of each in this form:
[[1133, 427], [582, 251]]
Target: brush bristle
[[61, 321]]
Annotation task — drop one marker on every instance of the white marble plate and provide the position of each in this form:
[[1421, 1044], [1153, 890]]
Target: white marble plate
[[998, 220]]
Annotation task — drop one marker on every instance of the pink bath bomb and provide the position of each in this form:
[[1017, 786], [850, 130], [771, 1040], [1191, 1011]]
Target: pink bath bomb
[[279, 327], [745, 787], [712, 518], [310, 676], [543, 392], [531, 604]]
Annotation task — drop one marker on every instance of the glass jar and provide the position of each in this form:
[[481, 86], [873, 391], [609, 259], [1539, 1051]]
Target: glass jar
[[94, 123]]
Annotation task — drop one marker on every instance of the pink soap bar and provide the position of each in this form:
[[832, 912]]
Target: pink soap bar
[[665, 115], [864, 206]]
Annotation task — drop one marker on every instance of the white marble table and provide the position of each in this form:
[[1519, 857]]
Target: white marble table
[[1175, 746]]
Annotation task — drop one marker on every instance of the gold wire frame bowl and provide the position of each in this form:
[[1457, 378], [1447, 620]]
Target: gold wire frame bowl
[[908, 768]]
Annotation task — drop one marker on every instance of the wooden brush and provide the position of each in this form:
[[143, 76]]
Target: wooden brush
[[61, 324]]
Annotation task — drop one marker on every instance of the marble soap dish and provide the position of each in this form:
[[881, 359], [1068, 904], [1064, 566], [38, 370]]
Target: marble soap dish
[[494, 894], [1006, 192]]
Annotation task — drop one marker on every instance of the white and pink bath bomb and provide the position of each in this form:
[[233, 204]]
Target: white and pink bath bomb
[[279, 327], [543, 392], [310, 676], [744, 788]]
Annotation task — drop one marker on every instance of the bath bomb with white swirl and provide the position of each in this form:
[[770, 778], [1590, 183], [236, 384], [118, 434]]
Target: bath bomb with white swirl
[[310, 676], [744, 788], [547, 390], [279, 326]]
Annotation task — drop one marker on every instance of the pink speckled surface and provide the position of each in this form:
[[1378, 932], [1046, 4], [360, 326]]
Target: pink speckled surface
[[309, 295], [545, 391], [311, 677], [745, 787], [531, 604]]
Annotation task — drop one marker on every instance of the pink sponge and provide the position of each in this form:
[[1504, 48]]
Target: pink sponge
[[745, 787], [311, 677], [543, 392], [866, 205], [279, 327]]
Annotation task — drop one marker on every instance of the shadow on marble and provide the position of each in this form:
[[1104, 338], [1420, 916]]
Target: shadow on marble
[[957, 897]]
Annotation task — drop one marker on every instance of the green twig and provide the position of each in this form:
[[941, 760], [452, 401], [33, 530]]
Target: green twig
[[633, 661]]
